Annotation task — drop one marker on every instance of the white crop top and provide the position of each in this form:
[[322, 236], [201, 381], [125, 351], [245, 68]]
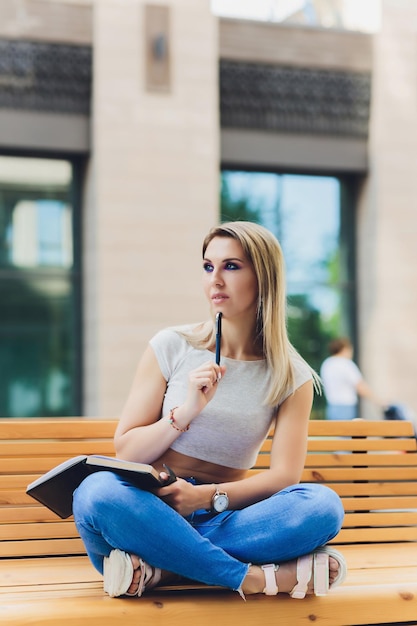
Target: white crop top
[[232, 427]]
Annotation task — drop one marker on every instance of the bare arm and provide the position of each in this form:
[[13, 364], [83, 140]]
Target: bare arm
[[142, 435], [364, 390]]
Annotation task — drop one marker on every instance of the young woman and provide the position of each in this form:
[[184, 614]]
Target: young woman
[[261, 533]]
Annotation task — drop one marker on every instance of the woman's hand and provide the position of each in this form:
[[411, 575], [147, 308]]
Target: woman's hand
[[184, 497], [202, 385]]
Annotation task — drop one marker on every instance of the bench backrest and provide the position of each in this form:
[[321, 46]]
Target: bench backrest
[[28, 448], [371, 465]]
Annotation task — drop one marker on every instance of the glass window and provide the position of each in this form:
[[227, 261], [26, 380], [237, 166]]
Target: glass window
[[307, 216], [39, 287]]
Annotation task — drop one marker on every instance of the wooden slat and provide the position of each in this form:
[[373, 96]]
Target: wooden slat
[[376, 535], [389, 459], [58, 530], [374, 489], [56, 428], [373, 503], [23, 514], [381, 556], [58, 569], [336, 447], [41, 547], [14, 498], [324, 429], [18, 481], [381, 518], [362, 445], [363, 489], [389, 474], [40, 465], [54, 448], [31, 572], [360, 428]]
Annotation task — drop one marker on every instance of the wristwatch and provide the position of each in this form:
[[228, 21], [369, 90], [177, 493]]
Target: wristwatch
[[219, 501]]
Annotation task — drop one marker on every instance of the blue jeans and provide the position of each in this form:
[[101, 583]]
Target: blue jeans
[[215, 549], [341, 411]]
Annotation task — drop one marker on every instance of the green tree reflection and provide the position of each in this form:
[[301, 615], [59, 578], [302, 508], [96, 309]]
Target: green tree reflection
[[310, 328]]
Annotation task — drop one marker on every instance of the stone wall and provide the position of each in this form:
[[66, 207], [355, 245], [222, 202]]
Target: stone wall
[[387, 213], [152, 183]]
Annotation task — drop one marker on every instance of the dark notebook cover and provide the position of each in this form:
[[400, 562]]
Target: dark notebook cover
[[55, 488]]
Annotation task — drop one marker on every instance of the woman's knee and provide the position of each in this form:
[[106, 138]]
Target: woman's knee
[[95, 490], [331, 507], [326, 502]]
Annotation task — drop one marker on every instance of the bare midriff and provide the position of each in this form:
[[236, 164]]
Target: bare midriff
[[186, 466]]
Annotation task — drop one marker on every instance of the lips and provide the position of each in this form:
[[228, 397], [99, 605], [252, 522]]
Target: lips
[[219, 297]]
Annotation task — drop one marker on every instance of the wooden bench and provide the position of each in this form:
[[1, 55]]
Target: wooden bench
[[45, 577]]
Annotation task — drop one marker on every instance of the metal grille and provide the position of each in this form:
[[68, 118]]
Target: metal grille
[[291, 99], [45, 77]]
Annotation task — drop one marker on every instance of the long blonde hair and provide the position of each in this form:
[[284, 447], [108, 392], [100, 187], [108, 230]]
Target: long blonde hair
[[265, 254]]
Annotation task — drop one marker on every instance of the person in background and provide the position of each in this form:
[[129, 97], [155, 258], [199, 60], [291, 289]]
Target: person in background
[[343, 382]]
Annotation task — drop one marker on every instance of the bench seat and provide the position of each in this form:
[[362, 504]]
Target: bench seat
[[72, 596], [46, 579]]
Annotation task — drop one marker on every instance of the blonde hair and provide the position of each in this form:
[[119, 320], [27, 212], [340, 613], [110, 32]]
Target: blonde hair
[[264, 252]]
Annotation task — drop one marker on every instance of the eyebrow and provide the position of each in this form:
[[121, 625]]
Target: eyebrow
[[228, 260]]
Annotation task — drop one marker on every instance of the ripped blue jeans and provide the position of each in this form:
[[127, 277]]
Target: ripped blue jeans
[[211, 548]]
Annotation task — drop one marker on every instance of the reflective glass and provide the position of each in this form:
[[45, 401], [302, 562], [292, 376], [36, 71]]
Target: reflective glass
[[35, 213], [304, 212], [39, 347]]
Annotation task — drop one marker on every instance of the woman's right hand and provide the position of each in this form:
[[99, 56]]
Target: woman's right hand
[[202, 386]]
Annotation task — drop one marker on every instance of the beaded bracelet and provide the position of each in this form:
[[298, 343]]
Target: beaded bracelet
[[174, 423]]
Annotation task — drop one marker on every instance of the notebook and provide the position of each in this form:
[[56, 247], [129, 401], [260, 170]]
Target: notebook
[[55, 488]]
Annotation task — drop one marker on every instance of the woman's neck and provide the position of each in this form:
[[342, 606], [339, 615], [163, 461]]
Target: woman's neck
[[240, 343]]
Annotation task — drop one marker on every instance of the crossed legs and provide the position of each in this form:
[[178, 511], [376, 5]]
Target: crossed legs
[[213, 549]]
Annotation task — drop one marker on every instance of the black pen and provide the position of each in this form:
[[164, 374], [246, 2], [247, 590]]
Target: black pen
[[218, 336]]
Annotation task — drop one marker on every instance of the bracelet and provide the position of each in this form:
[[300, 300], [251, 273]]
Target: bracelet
[[174, 423]]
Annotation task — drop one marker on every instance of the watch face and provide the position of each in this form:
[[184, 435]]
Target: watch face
[[221, 502]]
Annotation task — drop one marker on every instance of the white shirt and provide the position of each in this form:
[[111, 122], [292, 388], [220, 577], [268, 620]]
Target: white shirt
[[230, 430], [340, 377]]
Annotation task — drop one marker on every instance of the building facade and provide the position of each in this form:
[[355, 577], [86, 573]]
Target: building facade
[[136, 107]]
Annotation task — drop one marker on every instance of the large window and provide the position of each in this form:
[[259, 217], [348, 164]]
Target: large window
[[310, 217], [39, 288]]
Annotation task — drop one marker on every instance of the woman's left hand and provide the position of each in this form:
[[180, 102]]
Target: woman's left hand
[[182, 496]]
